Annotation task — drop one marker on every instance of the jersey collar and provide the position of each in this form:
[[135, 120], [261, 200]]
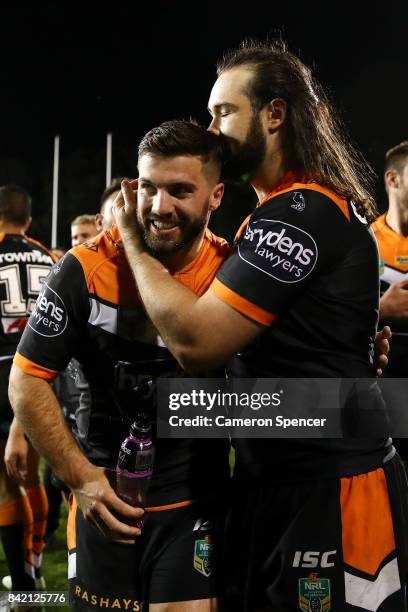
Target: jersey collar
[[382, 223], [289, 179], [115, 237]]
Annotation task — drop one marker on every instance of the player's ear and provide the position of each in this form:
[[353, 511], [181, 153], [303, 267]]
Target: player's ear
[[391, 179], [277, 110], [216, 196], [98, 221]]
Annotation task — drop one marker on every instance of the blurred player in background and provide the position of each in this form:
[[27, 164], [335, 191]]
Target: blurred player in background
[[391, 231], [83, 228], [24, 264], [104, 219]]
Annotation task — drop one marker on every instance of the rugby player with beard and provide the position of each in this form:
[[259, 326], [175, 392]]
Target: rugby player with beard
[[298, 298], [92, 298]]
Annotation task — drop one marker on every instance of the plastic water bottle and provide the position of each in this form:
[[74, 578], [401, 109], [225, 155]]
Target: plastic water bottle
[[135, 464]]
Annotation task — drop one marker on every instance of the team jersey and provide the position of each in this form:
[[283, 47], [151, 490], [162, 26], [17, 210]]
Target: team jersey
[[393, 250], [305, 266], [90, 309], [24, 264]]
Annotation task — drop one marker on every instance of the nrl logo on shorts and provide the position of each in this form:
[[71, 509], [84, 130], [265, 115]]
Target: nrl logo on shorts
[[203, 550], [314, 594]]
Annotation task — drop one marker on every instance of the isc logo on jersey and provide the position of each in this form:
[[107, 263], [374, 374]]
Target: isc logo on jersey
[[279, 249], [49, 317]]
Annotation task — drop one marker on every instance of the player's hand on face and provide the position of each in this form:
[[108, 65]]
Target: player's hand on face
[[102, 508], [382, 349], [124, 210], [15, 456]]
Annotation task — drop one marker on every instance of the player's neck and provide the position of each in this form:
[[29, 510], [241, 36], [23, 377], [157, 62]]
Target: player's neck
[[184, 256], [397, 218], [271, 172], [10, 228]]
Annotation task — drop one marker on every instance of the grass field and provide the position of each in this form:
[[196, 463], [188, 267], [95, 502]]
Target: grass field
[[55, 556], [54, 562]]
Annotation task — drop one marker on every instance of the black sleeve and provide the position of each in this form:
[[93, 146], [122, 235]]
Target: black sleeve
[[287, 242], [59, 319]]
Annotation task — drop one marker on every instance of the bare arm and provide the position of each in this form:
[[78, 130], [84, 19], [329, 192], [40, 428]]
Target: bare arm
[[16, 452], [201, 332], [39, 414], [38, 411]]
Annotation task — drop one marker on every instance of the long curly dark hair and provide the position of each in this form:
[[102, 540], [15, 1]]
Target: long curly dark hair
[[317, 143]]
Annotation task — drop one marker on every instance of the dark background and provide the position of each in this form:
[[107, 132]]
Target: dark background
[[81, 70]]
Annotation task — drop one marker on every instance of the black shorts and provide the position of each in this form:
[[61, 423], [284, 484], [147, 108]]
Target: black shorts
[[337, 544], [6, 412], [174, 559]]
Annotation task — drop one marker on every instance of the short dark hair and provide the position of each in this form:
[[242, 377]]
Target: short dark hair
[[397, 157], [180, 137], [15, 204], [114, 186], [316, 140]]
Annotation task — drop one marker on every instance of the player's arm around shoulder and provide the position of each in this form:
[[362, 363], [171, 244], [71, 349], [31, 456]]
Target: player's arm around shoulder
[[276, 256], [211, 332], [201, 332]]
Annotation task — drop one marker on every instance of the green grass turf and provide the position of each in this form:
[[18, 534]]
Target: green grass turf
[[54, 562], [55, 556]]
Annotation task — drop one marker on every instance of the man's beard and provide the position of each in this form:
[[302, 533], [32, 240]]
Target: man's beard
[[162, 245], [244, 159]]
